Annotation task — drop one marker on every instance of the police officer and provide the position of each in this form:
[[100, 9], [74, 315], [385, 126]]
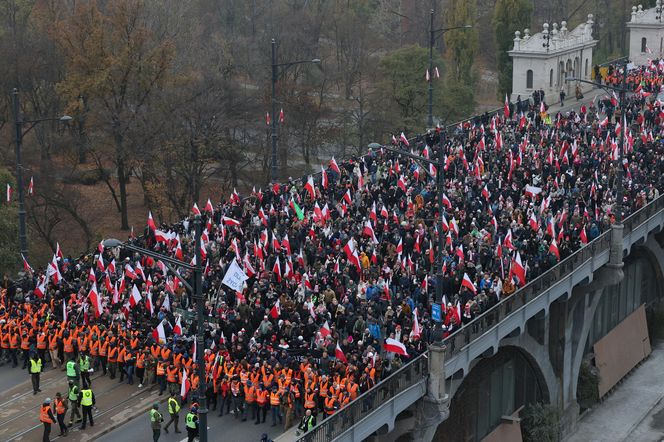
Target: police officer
[[73, 371], [192, 424], [72, 395], [174, 412], [84, 365], [155, 422], [35, 371], [307, 423], [87, 399]]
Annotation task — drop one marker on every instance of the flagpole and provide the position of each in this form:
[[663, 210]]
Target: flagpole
[[200, 334]]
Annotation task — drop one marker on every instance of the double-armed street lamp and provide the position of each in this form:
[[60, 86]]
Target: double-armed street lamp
[[197, 291], [433, 34], [276, 69], [20, 131]]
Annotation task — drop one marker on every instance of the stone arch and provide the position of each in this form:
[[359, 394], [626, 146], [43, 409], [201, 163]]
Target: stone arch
[[503, 382]]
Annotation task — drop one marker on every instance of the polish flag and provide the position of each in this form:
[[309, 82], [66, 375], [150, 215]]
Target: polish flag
[[400, 247], [281, 115], [208, 207], [148, 303], [111, 267], [506, 108], [107, 283], [466, 282], [116, 293], [130, 273], [403, 139], [91, 275], [58, 251], [40, 290], [583, 236], [159, 334], [369, 231], [26, 266], [9, 193], [151, 223], [507, 242], [285, 243], [446, 202], [135, 296], [334, 166], [276, 269], [275, 311], [309, 187], [373, 214], [100, 263], [64, 311], [518, 269], [401, 183], [417, 331], [185, 384], [394, 346], [325, 330], [195, 210], [267, 119], [351, 254], [230, 221], [178, 326], [95, 299], [533, 222], [339, 354], [553, 249]]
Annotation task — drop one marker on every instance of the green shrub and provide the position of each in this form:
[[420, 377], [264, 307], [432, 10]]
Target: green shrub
[[587, 389], [539, 423]]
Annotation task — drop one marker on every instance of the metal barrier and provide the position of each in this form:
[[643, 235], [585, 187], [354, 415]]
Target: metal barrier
[[365, 404]]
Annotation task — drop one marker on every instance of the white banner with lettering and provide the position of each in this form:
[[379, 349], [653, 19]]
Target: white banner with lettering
[[235, 277]]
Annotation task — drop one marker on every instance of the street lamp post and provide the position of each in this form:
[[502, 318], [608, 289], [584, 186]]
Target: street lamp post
[[616, 254], [432, 42], [273, 125], [197, 292], [440, 181], [19, 133]]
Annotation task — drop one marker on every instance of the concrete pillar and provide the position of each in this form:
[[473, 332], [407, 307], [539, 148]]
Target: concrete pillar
[[433, 408], [616, 251]]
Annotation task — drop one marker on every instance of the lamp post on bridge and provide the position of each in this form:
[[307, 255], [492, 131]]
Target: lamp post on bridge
[[616, 254]]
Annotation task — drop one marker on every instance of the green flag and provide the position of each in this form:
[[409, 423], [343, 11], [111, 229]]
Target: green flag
[[298, 211]]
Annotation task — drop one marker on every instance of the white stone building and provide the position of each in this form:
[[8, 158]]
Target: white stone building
[[544, 60], [646, 34]]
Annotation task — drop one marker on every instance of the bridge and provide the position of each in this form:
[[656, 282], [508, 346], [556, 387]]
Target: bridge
[[550, 320]]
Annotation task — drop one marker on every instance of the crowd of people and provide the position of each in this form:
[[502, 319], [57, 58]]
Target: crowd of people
[[341, 266]]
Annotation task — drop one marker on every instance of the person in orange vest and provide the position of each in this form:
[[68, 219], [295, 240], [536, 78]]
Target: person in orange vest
[[310, 400], [25, 348], [237, 394], [172, 378], [161, 376], [275, 401], [249, 401], [112, 359], [140, 366], [13, 346], [46, 417], [261, 403], [60, 405]]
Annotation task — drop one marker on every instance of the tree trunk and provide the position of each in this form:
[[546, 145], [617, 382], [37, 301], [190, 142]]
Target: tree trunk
[[122, 181]]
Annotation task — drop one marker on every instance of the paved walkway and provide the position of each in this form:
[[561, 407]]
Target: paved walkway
[[634, 411]]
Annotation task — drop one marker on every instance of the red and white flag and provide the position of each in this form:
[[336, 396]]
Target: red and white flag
[[159, 334], [230, 221], [275, 311], [185, 384], [309, 187], [209, 208], [403, 139], [334, 166], [417, 331], [466, 282], [151, 223], [339, 354], [518, 269], [323, 178], [31, 186], [26, 266], [394, 346], [9, 193], [276, 269], [325, 330], [178, 327], [135, 297], [95, 299]]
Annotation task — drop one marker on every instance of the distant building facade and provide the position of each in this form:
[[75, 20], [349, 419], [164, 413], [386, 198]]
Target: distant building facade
[[646, 34], [544, 60]]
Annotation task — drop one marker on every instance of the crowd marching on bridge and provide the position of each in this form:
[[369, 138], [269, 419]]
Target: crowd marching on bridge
[[338, 268]]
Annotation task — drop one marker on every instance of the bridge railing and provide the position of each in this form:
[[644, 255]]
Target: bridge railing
[[478, 326], [365, 404]]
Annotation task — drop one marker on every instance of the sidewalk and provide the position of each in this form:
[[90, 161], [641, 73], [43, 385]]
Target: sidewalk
[[634, 411]]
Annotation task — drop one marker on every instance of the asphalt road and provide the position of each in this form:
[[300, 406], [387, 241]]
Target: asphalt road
[[225, 428]]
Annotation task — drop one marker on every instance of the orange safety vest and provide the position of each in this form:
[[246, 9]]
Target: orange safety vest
[[172, 374], [25, 343], [41, 341], [140, 360], [323, 389], [44, 414], [309, 401], [274, 399], [103, 349], [261, 397], [250, 394], [165, 353], [112, 354], [60, 406], [244, 377], [13, 341], [235, 388], [69, 347], [94, 348], [160, 369], [329, 406]]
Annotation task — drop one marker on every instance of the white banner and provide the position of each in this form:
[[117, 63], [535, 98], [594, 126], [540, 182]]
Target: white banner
[[235, 277]]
